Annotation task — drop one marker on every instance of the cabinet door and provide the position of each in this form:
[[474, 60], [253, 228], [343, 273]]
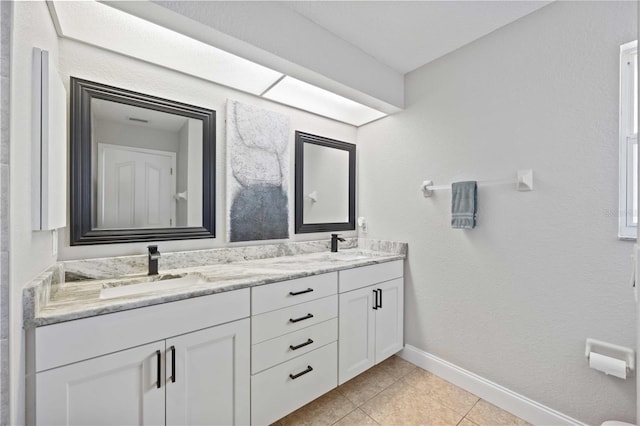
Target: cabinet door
[[356, 333], [116, 389], [211, 379], [389, 319]]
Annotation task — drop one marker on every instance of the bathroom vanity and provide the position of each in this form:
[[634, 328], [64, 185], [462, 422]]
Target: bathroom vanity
[[187, 359], [245, 343]]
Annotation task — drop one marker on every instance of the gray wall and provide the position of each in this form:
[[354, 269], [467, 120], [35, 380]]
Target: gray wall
[[6, 11], [514, 299]]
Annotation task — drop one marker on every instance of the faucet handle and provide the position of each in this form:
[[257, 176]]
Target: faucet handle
[[154, 255]]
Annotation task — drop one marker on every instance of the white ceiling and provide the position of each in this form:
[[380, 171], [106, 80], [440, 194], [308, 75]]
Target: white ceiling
[[359, 50], [408, 34]]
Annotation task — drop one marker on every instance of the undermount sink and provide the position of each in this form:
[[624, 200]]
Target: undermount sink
[[113, 289], [348, 256]]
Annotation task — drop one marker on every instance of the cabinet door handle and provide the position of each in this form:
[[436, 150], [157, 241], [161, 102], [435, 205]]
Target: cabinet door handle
[[301, 345], [173, 364], [295, 293], [159, 367], [380, 299], [309, 369], [301, 318], [375, 300]]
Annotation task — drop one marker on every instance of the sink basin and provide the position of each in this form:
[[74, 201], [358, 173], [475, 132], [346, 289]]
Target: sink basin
[[349, 256], [113, 289]]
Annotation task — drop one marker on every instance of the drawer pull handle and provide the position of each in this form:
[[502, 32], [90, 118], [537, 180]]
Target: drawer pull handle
[[301, 318], [301, 345], [295, 293], [302, 373], [159, 367], [380, 298], [173, 364]]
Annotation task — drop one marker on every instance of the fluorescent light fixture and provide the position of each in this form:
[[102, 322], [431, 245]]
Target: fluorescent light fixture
[[109, 28], [299, 94]]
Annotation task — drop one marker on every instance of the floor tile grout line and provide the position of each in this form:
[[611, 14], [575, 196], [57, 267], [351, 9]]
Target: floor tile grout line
[[373, 396], [470, 421], [465, 416], [382, 390], [372, 419], [443, 402], [337, 421], [474, 404]]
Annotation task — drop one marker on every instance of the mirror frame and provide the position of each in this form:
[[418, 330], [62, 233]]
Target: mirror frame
[[81, 230], [301, 227]]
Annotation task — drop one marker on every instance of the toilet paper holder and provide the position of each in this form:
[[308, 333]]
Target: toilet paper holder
[[614, 351]]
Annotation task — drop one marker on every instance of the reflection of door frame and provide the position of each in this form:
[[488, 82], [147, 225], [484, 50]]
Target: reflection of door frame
[[174, 174]]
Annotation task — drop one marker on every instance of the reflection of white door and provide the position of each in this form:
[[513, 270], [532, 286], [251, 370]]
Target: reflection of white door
[[135, 187]]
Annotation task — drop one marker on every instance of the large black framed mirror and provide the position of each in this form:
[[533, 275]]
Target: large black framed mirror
[[325, 184], [142, 167]]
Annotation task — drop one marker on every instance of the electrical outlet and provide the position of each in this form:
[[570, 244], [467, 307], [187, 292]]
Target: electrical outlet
[[362, 224]]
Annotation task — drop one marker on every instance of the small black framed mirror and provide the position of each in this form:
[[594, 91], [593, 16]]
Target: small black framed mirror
[[325, 198], [142, 167]]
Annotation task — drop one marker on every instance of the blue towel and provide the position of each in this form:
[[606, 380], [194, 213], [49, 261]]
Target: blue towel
[[464, 204]]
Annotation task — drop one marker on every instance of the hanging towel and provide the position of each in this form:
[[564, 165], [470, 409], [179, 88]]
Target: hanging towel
[[464, 204]]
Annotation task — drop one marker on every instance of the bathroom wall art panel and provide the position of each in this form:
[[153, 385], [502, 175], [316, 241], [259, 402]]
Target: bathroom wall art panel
[[257, 173]]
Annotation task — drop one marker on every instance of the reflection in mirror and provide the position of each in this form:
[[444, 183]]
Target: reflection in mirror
[[326, 195], [142, 167], [150, 153], [325, 184]]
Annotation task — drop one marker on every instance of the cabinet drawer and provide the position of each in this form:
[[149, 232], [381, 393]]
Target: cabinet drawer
[[352, 279], [289, 346], [293, 318], [279, 295], [274, 394]]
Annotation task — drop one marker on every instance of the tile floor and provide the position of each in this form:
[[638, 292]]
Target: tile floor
[[396, 392]]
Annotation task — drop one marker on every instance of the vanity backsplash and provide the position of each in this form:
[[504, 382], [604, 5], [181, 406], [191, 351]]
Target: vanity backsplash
[[110, 267]]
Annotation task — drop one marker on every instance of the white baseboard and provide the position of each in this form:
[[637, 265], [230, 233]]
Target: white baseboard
[[497, 395]]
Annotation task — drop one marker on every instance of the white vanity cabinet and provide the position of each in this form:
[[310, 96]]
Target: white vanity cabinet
[[247, 356], [370, 316], [294, 345], [102, 370]]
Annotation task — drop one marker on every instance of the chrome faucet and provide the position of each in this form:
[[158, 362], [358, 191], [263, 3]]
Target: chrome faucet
[[154, 255], [334, 242]]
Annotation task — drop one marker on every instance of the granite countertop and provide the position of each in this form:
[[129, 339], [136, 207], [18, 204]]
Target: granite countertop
[[81, 299]]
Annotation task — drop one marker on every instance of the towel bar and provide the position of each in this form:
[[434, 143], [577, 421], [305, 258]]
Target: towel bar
[[524, 182]]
